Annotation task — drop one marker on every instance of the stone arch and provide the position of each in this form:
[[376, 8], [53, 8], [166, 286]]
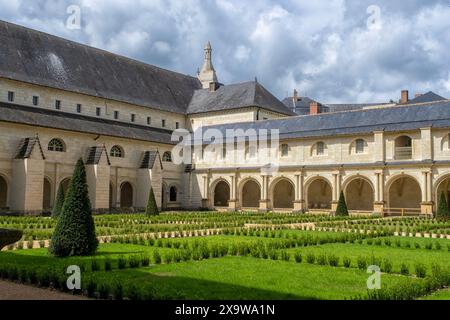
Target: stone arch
[[65, 183], [173, 193], [442, 184], [282, 193], [250, 193], [47, 194], [221, 193], [319, 193], [359, 193], [3, 192], [403, 191], [126, 195]]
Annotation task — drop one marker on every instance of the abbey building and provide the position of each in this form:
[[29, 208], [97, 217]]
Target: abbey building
[[61, 100]]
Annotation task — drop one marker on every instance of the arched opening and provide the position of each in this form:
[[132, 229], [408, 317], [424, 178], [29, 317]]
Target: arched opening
[[221, 194], [403, 148], [117, 152], [65, 185], [283, 195], [3, 193], [443, 187], [56, 145], [404, 192], [359, 195], [47, 196], [319, 195], [173, 193], [126, 195], [251, 194]]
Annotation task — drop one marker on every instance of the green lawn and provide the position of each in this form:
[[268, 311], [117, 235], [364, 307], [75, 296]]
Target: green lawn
[[443, 294]]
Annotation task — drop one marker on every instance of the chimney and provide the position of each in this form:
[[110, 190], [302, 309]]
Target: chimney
[[314, 108], [404, 97], [295, 97]]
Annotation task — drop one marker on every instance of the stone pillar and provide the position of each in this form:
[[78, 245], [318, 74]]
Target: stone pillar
[[27, 185], [379, 150], [232, 204], [426, 144], [426, 206], [147, 178], [336, 190], [264, 202], [299, 203], [97, 176], [378, 205], [205, 193]]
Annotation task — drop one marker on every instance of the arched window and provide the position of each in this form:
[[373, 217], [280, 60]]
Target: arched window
[[319, 149], [360, 145], [56, 145], [403, 148], [284, 150], [117, 152], [173, 194], [167, 156]]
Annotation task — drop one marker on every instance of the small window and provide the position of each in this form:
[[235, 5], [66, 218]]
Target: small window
[[163, 123], [133, 117], [116, 115], [56, 145], [173, 194], [58, 104], [98, 111], [320, 148], [167, 157], [149, 120], [35, 100], [284, 150], [359, 146], [10, 96], [117, 152], [177, 125], [78, 108]]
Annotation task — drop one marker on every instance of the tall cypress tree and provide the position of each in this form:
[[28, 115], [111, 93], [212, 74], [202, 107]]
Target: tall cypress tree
[[152, 208], [442, 211], [57, 208], [74, 234], [341, 209]]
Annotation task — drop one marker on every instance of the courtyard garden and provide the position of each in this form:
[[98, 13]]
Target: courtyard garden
[[240, 255]]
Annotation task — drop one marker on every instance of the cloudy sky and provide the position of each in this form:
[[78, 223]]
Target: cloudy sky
[[333, 51]]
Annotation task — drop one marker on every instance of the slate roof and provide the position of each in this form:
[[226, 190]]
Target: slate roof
[[35, 57], [302, 105], [226, 97], [427, 97], [398, 118], [149, 158], [26, 147], [340, 107], [79, 123], [95, 154]]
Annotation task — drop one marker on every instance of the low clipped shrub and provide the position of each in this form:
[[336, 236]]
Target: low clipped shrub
[[121, 262], [156, 257], [310, 258], [134, 262], [420, 270], [404, 269], [298, 257], [361, 262], [386, 266], [285, 256], [108, 265], [346, 262], [95, 265]]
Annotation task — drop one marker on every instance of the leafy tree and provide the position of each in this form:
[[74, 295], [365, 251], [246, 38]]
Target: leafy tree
[[74, 233], [152, 208], [442, 211], [341, 209], [60, 197]]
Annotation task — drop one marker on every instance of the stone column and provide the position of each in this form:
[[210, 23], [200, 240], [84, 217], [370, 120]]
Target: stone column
[[299, 203], [205, 200], [378, 205], [336, 189], [264, 202], [232, 204], [426, 206]]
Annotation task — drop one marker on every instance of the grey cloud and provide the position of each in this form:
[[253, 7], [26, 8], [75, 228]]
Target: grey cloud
[[323, 48]]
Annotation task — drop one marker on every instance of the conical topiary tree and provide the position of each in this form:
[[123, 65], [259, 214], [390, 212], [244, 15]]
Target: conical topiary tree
[[57, 208], [74, 234], [341, 209], [442, 211], [152, 208]]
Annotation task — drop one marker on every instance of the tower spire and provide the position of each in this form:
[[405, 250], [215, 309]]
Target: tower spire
[[207, 74]]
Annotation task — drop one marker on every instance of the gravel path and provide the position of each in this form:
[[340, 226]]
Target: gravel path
[[14, 291]]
